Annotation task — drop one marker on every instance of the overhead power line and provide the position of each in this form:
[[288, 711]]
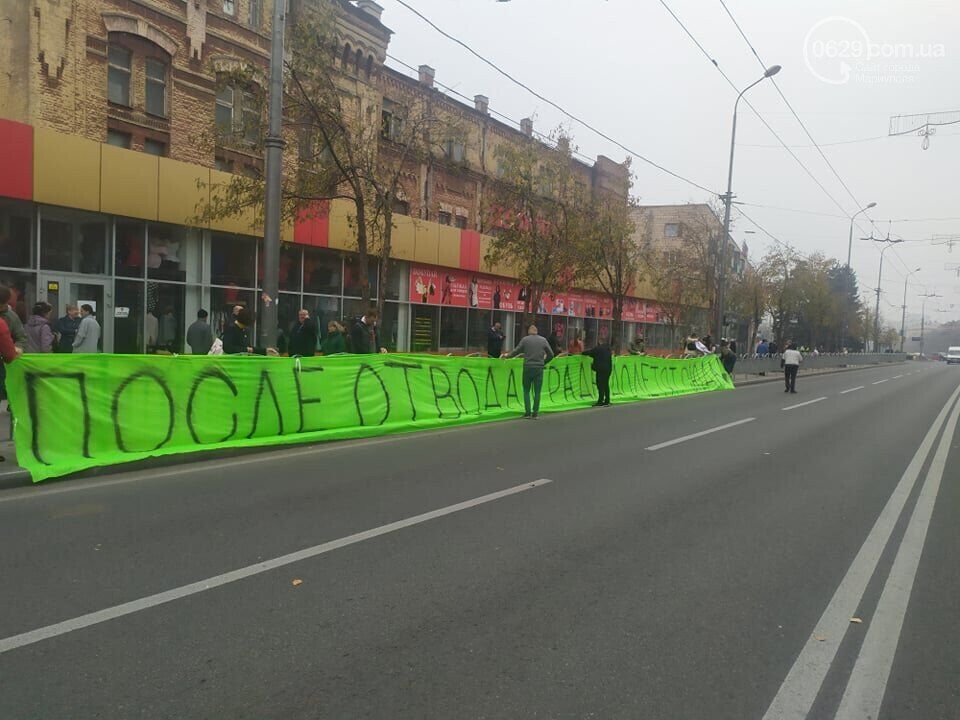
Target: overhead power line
[[550, 102]]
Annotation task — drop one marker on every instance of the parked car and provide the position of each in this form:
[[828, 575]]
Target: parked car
[[953, 355]]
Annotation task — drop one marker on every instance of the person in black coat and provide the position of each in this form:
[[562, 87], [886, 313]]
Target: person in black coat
[[303, 336], [236, 337], [495, 340], [364, 336], [602, 366]]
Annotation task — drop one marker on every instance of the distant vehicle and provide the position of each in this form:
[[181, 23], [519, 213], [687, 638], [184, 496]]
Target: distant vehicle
[[953, 355]]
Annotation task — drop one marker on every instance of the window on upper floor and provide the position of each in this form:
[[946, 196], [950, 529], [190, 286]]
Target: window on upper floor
[[118, 139], [155, 147], [345, 58], [230, 7], [358, 60], [369, 66], [454, 150], [444, 218], [391, 126], [238, 113], [671, 230], [156, 90], [223, 164], [255, 15], [118, 75], [461, 222], [401, 207]]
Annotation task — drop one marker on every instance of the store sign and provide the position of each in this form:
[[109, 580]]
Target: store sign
[[459, 288], [121, 312]]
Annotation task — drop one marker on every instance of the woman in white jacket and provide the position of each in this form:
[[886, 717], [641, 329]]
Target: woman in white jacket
[[791, 365]]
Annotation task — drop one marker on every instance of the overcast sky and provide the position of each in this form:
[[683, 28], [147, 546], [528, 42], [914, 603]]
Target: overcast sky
[[628, 68]]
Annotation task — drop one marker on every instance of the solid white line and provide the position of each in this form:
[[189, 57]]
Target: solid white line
[[808, 402], [127, 608], [878, 382], [868, 681], [699, 434], [844, 392], [802, 684]]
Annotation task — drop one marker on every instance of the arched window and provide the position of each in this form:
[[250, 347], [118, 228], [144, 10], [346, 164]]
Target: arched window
[[359, 60], [345, 60], [369, 66]]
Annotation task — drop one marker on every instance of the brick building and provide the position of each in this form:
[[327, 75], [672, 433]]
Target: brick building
[[106, 105]]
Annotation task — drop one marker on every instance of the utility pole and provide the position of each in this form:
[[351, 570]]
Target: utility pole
[[923, 319], [876, 317], [727, 201], [847, 283], [274, 169], [903, 320]]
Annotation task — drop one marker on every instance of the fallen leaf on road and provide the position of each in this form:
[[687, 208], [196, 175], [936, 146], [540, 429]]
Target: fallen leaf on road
[[297, 582], [856, 620], [819, 638], [499, 468]]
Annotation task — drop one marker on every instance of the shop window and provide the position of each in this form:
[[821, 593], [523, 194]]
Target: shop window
[[233, 260], [396, 271], [71, 244], [461, 222], [444, 218], [128, 324], [156, 90], [453, 329], [118, 75], [118, 139], [322, 271], [16, 236], [288, 307], [390, 326], [424, 328], [353, 276], [479, 324], [166, 245], [222, 303], [290, 256], [323, 310], [155, 147], [23, 292], [129, 255]]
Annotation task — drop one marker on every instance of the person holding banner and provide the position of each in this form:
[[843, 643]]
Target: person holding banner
[[603, 367], [236, 338], [536, 354]]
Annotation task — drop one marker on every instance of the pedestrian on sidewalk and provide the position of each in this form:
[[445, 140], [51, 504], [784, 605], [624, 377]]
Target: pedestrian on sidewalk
[[495, 338], [602, 367], [727, 357], [66, 328], [88, 334], [9, 315], [536, 354], [200, 335], [303, 335], [334, 343], [40, 338], [365, 336], [791, 366], [638, 345], [236, 337]]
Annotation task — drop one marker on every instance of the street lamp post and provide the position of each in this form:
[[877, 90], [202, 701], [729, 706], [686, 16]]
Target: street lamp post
[[274, 166], [728, 200], [876, 315], [903, 319], [923, 319], [843, 328]]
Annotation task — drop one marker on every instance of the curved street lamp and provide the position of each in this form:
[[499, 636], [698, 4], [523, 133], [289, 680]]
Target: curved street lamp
[[727, 201]]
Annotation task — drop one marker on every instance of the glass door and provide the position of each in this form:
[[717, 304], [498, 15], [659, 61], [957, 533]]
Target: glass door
[[61, 290]]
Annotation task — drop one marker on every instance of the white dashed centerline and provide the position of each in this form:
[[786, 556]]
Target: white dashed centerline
[[808, 402], [896, 377], [844, 392], [878, 382], [662, 445]]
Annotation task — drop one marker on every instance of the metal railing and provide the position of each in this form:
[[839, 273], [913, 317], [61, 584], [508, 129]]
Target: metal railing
[[771, 363]]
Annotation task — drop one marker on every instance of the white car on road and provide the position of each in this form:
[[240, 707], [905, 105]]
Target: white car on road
[[953, 355]]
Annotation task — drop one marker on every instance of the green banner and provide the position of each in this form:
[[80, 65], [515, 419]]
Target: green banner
[[80, 411]]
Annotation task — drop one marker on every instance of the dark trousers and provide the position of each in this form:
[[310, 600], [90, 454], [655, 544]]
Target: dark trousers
[[790, 376], [532, 377], [603, 387]]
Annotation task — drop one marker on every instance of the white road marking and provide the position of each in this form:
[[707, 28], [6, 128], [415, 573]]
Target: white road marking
[[868, 681], [679, 440], [127, 608], [802, 684], [896, 377], [808, 402], [844, 392], [878, 382]]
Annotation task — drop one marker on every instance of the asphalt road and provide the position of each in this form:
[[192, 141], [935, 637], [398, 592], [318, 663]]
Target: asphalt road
[[585, 565]]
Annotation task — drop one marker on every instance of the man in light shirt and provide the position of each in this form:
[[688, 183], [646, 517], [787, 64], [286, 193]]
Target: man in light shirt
[[791, 365]]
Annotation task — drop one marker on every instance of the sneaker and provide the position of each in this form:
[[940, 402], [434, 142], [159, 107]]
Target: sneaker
[[534, 416], [526, 416]]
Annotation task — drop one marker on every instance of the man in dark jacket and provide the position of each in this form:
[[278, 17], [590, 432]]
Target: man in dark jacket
[[236, 338], [727, 357], [66, 327], [602, 366], [303, 336], [495, 340], [364, 337]]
